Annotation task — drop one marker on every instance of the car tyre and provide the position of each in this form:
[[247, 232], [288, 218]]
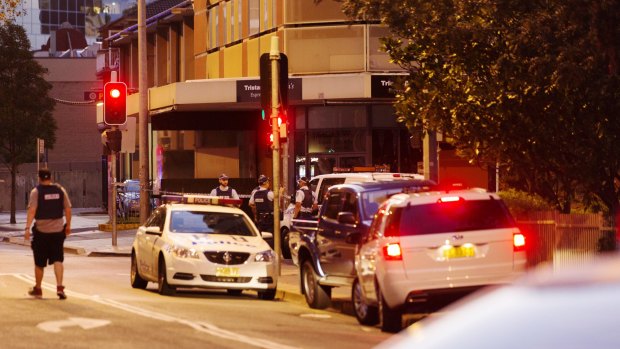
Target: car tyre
[[366, 314], [162, 281], [136, 280], [391, 319], [267, 295], [286, 250], [234, 292], [317, 296]]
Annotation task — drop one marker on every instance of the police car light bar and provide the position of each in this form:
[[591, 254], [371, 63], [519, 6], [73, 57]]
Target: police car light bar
[[200, 199]]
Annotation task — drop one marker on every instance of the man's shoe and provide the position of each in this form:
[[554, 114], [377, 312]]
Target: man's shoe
[[60, 291], [36, 292]]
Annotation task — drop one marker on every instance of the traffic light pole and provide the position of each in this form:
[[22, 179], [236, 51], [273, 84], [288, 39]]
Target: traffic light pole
[[274, 56], [113, 175]]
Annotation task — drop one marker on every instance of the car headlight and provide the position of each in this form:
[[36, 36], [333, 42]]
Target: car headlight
[[265, 256], [183, 252]]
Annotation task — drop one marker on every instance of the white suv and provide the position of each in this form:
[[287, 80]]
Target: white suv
[[425, 250]]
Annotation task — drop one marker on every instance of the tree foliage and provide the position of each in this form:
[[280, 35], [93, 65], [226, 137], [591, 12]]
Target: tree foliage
[[530, 84], [9, 9], [25, 107]]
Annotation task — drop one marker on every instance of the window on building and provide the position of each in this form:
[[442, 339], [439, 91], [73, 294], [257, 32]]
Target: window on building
[[312, 12], [325, 49], [379, 60], [213, 26], [232, 21], [225, 22], [254, 16], [239, 19]]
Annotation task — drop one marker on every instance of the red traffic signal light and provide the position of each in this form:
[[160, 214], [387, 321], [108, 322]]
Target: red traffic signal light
[[115, 103]]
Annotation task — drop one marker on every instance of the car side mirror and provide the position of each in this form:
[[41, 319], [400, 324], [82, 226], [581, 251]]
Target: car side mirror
[[153, 231], [346, 218], [266, 235]]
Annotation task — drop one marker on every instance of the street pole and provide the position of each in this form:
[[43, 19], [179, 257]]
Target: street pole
[[431, 158], [274, 55], [143, 113], [113, 169]]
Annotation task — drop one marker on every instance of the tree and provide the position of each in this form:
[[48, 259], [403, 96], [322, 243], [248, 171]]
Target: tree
[[25, 107], [9, 9], [532, 85]]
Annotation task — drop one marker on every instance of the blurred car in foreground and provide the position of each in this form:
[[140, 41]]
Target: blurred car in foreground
[[425, 250], [572, 308], [205, 242]]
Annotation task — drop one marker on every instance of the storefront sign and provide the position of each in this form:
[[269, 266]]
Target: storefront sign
[[249, 90], [382, 86]]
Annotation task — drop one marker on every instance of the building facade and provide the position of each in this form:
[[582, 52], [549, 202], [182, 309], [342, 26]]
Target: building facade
[[204, 92]]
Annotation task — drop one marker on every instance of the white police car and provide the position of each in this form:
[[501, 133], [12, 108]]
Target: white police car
[[206, 242]]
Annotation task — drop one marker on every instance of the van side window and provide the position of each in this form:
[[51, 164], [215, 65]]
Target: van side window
[[327, 182]]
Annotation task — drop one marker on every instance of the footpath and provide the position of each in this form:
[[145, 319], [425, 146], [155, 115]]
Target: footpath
[[87, 240]]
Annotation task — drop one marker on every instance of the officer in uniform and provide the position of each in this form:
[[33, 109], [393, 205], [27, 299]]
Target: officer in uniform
[[48, 202], [261, 202], [223, 190], [305, 201]]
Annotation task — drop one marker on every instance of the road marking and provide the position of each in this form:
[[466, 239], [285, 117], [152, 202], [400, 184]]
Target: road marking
[[203, 327], [84, 323], [316, 316]]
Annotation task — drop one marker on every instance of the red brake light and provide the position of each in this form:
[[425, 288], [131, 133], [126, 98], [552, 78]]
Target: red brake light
[[392, 252], [518, 242], [449, 199]]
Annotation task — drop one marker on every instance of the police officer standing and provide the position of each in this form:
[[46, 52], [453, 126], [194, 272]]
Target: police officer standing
[[48, 202], [223, 190], [261, 202], [305, 200]]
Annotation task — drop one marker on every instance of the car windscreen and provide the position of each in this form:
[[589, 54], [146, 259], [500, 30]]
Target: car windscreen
[[200, 222], [447, 217], [371, 200]]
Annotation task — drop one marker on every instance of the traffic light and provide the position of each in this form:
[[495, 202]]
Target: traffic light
[[115, 103]]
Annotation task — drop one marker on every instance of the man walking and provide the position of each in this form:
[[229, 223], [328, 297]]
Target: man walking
[[47, 203], [223, 190]]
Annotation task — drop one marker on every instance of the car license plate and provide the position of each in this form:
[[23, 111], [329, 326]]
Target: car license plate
[[459, 252], [226, 271]]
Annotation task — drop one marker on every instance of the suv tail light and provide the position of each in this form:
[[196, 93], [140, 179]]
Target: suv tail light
[[518, 242], [392, 252]]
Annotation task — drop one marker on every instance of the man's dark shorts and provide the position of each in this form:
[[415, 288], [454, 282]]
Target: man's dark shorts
[[47, 248]]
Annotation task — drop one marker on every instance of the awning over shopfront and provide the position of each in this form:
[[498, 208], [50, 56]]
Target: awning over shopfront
[[243, 94]]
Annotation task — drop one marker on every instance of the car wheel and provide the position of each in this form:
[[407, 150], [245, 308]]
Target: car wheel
[[391, 319], [234, 292], [136, 280], [317, 296], [163, 287], [365, 314], [267, 295], [286, 250]]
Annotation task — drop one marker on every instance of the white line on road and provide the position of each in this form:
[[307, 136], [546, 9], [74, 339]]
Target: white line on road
[[199, 326]]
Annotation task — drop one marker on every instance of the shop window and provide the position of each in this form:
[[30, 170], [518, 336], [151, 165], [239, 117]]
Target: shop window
[[337, 117], [337, 140], [383, 116]]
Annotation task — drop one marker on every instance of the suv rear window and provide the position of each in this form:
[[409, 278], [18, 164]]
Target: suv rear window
[[449, 217]]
